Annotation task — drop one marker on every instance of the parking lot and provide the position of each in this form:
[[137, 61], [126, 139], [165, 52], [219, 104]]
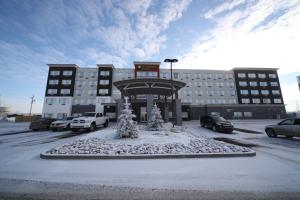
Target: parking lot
[[275, 168]]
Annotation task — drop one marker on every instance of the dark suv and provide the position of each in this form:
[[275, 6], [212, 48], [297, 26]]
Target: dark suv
[[216, 123]]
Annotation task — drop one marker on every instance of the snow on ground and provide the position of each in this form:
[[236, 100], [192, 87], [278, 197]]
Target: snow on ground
[[10, 127], [181, 141]]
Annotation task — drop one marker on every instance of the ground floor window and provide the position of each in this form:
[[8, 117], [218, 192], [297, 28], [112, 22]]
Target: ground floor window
[[247, 114], [238, 114], [48, 115]]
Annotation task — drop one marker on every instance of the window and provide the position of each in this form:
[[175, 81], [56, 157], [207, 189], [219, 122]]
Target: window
[[67, 73], [50, 101], [261, 75], [287, 122], [275, 92], [247, 114], [78, 92], [255, 100], [92, 83], [199, 84], [241, 75], [221, 84], [251, 75], [237, 114], [210, 92], [232, 92], [253, 84], [53, 82], [274, 84], [277, 101], [243, 83], [263, 84], [103, 91], [92, 92], [266, 100], [66, 82], [222, 93], [48, 115], [245, 92], [265, 92], [81, 74], [254, 92], [244, 100], [63, 101], [54, 73], [104, 73], [62, 115], [104, 82], [175, 75], [52, 91], [65, 91], [93, 74], [272, 75]]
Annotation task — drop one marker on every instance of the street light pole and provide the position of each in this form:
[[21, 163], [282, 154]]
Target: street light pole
[[171, 61], [32, 100]]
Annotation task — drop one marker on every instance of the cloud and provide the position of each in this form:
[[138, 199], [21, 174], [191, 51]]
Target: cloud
[[243, 38], [227, 6]]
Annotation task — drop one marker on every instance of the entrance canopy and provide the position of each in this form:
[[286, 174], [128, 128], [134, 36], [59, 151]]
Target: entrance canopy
[[148, 86]]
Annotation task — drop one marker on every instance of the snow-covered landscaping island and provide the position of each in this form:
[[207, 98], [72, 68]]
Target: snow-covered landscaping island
[[107, 142], [155, 138]]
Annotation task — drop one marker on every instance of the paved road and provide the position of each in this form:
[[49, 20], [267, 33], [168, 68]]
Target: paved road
[[274, 172]]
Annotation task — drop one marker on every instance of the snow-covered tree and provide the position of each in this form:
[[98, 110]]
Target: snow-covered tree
[[127, 128], [156, 122]]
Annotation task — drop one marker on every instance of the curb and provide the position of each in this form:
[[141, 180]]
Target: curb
[[17, 132], [157, 156], [248, 131]]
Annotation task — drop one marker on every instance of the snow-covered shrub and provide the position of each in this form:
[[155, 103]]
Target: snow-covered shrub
[[156, 122], [127, 128]]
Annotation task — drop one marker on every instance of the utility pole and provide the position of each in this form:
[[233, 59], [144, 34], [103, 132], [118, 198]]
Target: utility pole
[[32, 101]]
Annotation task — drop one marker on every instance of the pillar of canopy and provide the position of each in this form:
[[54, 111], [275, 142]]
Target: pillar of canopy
[[150, 87]]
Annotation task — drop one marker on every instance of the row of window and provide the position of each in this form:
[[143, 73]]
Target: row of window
[[208, 92], [210, 101], [92, 83], [254, 84], [240, 114], [57, 73], [257, 100], [256, 92], [60, 101], [62, 91], [63, 82], [210, 84], [253, 75]]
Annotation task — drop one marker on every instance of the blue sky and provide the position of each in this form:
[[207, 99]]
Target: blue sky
[[202, 34]]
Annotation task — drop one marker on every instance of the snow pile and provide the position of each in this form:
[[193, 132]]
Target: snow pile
[[156, 122], [193, 145], [127, 128]]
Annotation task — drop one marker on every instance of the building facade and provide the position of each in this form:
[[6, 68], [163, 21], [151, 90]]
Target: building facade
[[252, 93]]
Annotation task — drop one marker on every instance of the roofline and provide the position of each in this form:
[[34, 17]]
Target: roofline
[[254, 68], [62, 65], [106, 65], [146, 62]]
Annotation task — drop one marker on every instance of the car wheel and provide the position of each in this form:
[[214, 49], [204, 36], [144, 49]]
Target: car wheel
[[92, 127], [214, 128], [271, 133], [68, 127], [106, 124], [35, 129]]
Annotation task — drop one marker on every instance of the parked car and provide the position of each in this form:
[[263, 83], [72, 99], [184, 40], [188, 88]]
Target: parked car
[[216, 123], [60, 125], [41, 124], [288, 127], [89, 121]]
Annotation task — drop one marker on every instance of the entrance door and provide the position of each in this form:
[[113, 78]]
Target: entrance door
[[143, 115]]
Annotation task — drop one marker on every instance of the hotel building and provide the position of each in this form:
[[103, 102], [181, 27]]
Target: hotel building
[[252, 93]]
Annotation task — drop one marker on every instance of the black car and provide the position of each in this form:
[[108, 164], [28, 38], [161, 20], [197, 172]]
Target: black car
[[41, 124], [216, 123]]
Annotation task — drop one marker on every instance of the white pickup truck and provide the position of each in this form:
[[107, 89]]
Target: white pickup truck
[[90, 121]]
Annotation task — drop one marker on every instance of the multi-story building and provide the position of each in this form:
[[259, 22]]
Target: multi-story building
[[298, 80], [236, 93]]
